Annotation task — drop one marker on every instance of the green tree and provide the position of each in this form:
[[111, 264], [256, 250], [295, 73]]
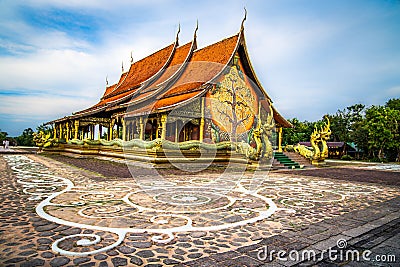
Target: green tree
[[359, 136], [344, 122], [26, 138], [46, 129], [3, 136], [382, 125], [339, 126], [393, 103], [300, 132]]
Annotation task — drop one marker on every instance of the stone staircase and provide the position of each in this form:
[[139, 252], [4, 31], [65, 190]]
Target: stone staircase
[[299, 159], [290, 160], [285, 161]]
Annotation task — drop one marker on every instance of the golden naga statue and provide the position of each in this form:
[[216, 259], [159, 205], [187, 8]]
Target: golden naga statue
[[260, 134], [318, 139], [43, 140]]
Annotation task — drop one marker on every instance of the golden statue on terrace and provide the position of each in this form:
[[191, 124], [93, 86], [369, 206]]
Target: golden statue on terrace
[[319, 151]]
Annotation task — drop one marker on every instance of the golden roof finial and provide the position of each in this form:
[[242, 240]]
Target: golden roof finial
[[179, 30], [245, 16], [197, 27]]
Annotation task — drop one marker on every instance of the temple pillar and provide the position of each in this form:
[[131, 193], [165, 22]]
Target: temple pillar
[[280, 139], [201, 132], [67, 133], [110, 130], [163, 126], [61, 130], [123, 129], [100, 131], [141, 124], [76, 124], [176, 132], [130, 137], [92, 132], [54, 131]]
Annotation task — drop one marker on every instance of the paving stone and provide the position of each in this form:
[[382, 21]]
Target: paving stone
[[33, 263], [89, 264], [170, 262], [204, 262], [162, 250], [118, 261], [30, 253], [44, 241], [184, 245], [78, 261], [40, 222], [103, 264], [27, 246], [100, 256], [45, 228], [112, 253], [198, 242], [135, 260], [47, 255], [153, 260], [394, 241], [62, 228], [194, 255], [59, 261], [179, 257], [12, 244], [15, 260], [43, 247], [126, 250], [49, 233], [225, 255], [145, 254], [180, 251], [198, 234], [140, 244], [72, 231]]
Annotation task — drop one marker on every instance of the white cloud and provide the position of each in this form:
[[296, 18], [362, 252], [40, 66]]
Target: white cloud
[[36, 106], [301, 58]]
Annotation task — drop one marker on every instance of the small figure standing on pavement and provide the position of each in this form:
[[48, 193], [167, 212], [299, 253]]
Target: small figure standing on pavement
[[6, 144]]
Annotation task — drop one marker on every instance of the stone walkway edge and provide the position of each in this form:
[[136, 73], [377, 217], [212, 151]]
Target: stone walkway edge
[[354, 227]]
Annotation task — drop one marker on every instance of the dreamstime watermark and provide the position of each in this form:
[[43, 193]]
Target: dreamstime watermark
[[339, 254]]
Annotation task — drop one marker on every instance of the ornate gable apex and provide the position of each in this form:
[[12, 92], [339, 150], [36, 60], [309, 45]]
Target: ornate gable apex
[[243, 54]]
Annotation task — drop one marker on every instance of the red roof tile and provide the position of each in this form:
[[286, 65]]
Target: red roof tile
[[142, 70], [178, 58]]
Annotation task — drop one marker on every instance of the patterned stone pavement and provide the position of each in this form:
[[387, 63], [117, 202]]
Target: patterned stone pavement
[[58, 215]]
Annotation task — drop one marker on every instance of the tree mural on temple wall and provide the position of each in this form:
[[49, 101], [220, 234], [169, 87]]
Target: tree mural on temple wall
[[233, 103]]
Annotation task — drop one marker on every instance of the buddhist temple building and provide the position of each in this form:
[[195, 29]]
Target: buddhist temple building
[[181, 97]]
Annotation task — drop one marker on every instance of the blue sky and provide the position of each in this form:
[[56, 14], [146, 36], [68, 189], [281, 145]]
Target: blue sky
[[312, 57]]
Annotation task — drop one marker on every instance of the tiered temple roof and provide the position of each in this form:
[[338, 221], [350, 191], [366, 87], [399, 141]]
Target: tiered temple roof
[[173, 76]]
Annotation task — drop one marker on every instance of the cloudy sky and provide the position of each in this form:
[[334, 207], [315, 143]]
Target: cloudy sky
[[312, 57]]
